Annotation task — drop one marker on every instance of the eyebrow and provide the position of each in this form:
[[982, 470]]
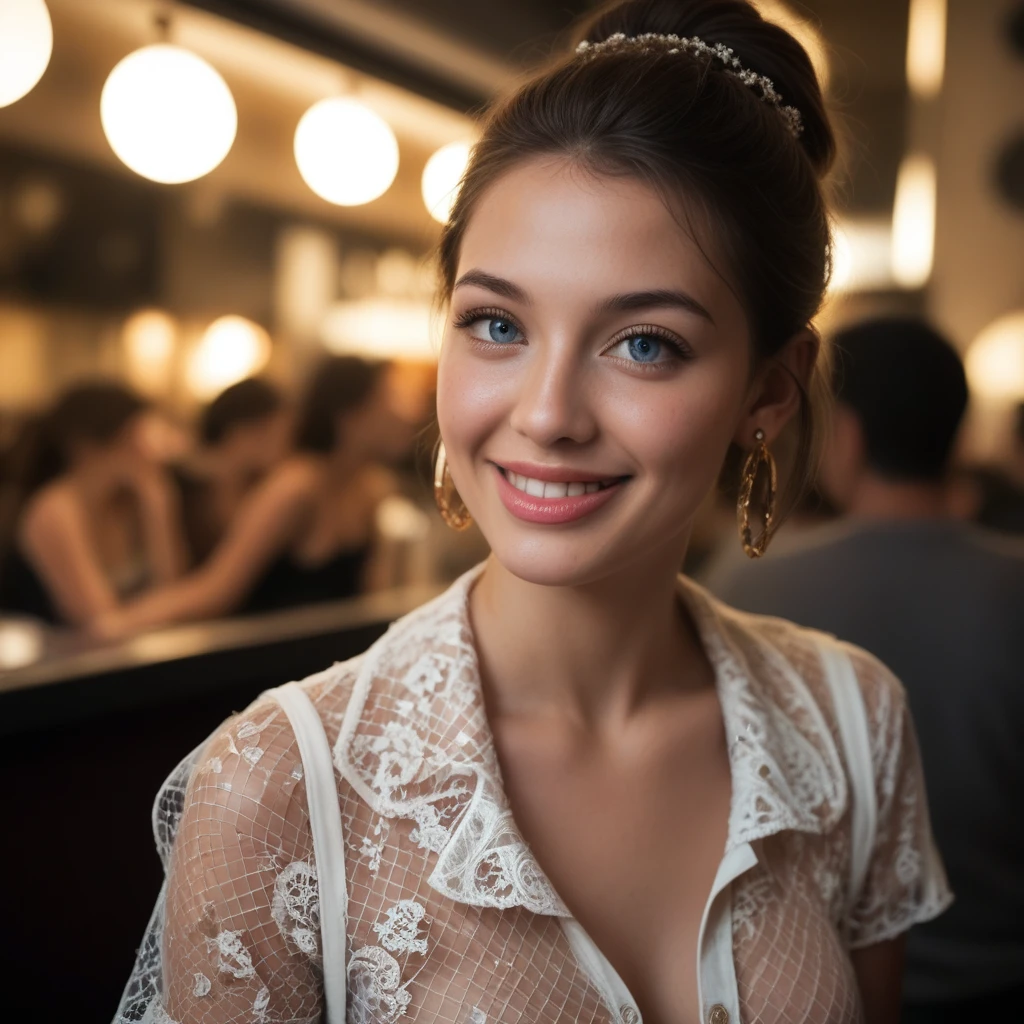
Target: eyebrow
[[498, 285], [658, 298]]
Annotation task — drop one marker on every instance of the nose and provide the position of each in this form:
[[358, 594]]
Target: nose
[[552, 405]]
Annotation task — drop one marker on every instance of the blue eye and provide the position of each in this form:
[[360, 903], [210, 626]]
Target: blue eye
[[499, 330], [502, 331], [643, 348]]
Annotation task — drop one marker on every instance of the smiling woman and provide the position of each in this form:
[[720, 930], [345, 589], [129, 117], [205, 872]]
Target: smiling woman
[[575, 787]]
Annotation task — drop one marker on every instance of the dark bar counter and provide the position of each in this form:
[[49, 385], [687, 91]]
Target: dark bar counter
[[87, 735]]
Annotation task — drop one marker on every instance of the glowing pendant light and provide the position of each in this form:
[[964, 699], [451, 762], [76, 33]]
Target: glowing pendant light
[[345, 152], [168, 114], [441, 179], [26, 42], [995, 360], [231, 349]]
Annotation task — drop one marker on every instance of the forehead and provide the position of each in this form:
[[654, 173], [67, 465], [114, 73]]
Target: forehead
[[550, 225]]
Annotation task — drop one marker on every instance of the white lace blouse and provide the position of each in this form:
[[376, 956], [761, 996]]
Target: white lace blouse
[[445, 915]]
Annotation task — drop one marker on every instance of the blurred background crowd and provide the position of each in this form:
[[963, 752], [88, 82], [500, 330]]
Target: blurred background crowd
[[218, 342], [216, 369]]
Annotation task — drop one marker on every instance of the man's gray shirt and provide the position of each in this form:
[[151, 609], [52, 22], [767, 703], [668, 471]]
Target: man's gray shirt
[[942, 604]]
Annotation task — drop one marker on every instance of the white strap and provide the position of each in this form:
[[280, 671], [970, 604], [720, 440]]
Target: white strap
[[328, 842], [852, 719]]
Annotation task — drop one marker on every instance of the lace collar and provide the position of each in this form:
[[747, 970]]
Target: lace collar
[[415, 744]]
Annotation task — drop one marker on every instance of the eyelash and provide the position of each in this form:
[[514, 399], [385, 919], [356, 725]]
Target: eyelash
[[471, 316], [681, 349]]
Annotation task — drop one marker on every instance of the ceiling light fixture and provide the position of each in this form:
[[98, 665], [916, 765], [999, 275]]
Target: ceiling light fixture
[[26, 43], [167, 114], [346, 153], [442, 177]]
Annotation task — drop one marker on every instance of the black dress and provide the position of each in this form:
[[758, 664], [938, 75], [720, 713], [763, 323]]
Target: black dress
[[22, 592], [288, 584]]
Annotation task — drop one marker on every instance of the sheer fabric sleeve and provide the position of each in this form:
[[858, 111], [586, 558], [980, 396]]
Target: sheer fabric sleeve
[[906, 882], [235, 935]]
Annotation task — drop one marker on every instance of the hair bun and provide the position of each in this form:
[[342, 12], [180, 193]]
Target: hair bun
[[762, 46]]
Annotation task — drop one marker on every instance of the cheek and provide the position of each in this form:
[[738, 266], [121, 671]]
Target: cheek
[[472, 396], [681, 431]]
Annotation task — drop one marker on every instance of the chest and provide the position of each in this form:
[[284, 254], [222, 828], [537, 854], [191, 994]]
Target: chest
[[631, 840], [416, 954]]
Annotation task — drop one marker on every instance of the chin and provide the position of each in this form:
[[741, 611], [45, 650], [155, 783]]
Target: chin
[[556, 560]]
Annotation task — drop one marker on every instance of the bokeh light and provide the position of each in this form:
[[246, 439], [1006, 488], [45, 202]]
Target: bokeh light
[[168, 114], [441, 178], [149, 338], [26, 43], [231, 349], [913, 222], [345, 152], [995, 360]]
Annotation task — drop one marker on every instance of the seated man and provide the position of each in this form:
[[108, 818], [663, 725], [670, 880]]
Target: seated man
[[942, 603]]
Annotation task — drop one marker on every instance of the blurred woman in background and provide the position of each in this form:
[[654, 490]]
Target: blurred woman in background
[[308, 532], [93, 517], [243, 435]]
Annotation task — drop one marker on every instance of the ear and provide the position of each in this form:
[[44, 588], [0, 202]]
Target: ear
[[776, 391]]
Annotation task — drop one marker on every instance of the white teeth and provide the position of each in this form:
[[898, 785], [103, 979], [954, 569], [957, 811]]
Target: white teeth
[[553, 489]]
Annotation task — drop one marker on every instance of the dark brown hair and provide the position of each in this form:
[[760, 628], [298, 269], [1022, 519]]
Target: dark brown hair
[[241, 404], [338, 385], [95, 412], [752, 192]]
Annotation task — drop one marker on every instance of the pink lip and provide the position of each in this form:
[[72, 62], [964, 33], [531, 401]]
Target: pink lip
[[554, 474], [550, 511]]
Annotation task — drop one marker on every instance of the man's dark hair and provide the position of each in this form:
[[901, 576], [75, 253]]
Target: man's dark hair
[[906, 384], [242, 403]]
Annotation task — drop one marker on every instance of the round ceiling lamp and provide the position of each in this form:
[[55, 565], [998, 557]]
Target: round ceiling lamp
[[168, 114], [26, 42], [441, 179], [231, 349], [995, 360], [346, 153]]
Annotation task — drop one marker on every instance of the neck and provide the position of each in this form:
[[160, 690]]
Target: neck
[[94, 485], [592, 653], [877, 498]]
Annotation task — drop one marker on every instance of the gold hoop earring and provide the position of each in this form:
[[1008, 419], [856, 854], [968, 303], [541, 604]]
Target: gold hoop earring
[[759, 455], [449, 504]]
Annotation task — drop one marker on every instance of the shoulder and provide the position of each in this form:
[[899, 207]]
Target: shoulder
[[291, 486], [804, 562], [53, 507], [782, 654], [1002, 552], [249, 772]]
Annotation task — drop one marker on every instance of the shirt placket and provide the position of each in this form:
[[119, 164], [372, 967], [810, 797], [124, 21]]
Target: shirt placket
[[716, 968]]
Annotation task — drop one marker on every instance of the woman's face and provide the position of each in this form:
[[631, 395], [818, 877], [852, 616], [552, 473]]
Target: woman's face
[[590, 347]]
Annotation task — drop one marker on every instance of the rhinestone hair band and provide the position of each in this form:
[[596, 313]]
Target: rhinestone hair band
[[761, 84]]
